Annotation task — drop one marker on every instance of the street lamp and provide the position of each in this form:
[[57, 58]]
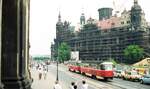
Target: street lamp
[[57, 71], [57, 62]]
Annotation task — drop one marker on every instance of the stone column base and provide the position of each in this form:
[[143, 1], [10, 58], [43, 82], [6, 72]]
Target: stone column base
[[26, 84], [18, 84], [1, 86]]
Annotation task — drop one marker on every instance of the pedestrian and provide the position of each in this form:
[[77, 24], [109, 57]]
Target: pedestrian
[[57, 85], [45, 70], [72, 85], [40, 72], [37, 67], [84, 85]]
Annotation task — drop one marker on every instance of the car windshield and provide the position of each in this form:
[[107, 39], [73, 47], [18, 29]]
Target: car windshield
[[134, 73], [118, 71], [147, 76]]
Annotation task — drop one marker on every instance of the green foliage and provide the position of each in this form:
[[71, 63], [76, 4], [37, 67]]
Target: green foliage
[[114, 62], [63, 52], [40, 58], [133, 53]]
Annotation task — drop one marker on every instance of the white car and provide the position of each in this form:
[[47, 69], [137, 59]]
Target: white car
[[117, 73], [132, 75]]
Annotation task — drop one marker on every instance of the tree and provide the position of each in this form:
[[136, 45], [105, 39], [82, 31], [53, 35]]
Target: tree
[[133, 53], [113, 61], [63, 52]]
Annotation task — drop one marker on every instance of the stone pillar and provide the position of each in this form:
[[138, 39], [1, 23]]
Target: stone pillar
[[15, 41], [1, 85]]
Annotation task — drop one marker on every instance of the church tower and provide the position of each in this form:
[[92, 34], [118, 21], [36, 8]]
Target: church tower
[[136, 13], [59, 29], [59, 25], [59, 20]]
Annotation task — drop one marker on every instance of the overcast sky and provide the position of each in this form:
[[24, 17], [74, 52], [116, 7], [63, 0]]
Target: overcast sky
[[44, 15]]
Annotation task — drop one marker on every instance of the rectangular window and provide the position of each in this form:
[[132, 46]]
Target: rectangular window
[[128, 21], [122, 22]]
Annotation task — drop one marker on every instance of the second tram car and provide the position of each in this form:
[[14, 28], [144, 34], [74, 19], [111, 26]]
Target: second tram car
[[103, 70]]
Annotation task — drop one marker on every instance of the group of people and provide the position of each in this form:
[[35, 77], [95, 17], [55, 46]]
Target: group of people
[[73, 85], [42, 69]]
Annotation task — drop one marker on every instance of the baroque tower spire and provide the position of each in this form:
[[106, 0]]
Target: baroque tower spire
[[135, 2], [82, 18], [59, 17]]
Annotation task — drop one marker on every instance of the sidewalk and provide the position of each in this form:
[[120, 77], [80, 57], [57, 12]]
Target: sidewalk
[[44, 84]]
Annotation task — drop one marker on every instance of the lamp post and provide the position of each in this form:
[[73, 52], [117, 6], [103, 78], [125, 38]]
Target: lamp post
[[109, 52], [57, 71], [57, 62]]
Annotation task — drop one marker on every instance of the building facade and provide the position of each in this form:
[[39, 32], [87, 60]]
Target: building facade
[[107, 37]]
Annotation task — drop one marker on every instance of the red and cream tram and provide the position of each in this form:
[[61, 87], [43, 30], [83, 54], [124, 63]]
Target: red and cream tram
[[102, 70]]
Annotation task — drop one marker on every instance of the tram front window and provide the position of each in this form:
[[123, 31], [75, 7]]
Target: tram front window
[[106, 67]]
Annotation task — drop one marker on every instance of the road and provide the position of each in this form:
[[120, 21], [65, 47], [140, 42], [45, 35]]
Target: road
[[67, 77]]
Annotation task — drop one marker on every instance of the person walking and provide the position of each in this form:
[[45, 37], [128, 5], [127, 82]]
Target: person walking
[[84, 85], [40, 72], [37, 66], [57, 85], [45, 70]]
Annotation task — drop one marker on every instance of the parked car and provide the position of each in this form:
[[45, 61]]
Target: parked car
[[145, 79], [117, 73], [132, 75]]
